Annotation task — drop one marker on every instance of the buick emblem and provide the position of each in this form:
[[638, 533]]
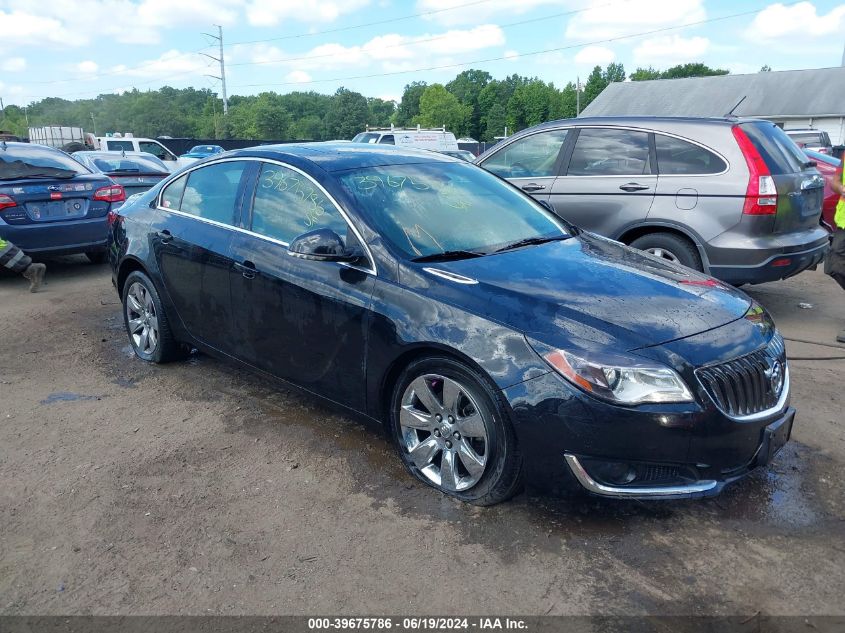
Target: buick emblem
[[776, 377]]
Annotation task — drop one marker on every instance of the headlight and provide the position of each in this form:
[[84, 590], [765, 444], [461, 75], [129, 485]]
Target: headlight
[[621, 380]]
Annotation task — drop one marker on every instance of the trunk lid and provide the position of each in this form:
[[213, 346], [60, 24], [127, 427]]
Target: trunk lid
[[54, 199]]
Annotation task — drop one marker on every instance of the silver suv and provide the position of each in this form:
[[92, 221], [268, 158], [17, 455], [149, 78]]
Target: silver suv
[[735, 198]]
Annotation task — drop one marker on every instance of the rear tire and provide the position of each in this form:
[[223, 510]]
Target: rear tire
[[146, 322], [471, 452], [671, 247]]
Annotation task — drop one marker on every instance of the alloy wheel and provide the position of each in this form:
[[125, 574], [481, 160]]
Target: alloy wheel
[[664, 254], [141, 319], [444, 432]]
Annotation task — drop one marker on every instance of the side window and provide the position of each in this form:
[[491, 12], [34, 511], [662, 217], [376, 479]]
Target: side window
[[387, 139], [212, 192], [529, 157], [171, 197], [677, 157], [116, 146], [288, 204], [606, 152], [155, 149]]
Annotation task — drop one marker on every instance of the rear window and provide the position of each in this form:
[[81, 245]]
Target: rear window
[[115, 163], [25, 158], [780, 152], [814, 139], [365, 137], [677, 157]]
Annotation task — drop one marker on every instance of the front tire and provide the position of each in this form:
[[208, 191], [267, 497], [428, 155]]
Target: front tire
[[145, 321], [452, 432]]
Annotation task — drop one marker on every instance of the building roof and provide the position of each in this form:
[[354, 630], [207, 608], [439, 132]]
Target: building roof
[[806, 93]]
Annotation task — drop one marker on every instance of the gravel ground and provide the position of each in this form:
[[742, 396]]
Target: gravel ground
[[195, 488]]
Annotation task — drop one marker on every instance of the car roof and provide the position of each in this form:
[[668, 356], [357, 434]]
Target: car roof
[[115, 154], [333, 156], [642, 120]]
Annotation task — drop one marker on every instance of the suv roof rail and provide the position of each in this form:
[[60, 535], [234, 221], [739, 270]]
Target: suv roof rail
[[393, 128]]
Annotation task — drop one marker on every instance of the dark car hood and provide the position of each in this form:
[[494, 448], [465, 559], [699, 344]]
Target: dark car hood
[[588, 288]]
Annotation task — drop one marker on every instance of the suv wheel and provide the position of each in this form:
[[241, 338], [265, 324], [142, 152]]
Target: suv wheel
[[672, 247]]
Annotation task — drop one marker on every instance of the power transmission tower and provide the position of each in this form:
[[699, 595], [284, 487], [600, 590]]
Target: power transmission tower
[[220, 60]]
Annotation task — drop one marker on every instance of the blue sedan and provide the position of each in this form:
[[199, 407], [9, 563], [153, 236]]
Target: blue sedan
[[202, 151], [496, 343], [50, 204]]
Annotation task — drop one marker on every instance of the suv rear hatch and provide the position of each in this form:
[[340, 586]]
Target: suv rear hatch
[[782, 185]]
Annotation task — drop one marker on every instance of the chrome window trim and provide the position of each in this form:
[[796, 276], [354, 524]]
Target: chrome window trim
[[595, 487], [371, 269], [569, 128]]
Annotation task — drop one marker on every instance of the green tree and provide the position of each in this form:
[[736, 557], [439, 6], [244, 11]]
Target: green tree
[[347, 114], [467, 87], [409, 106], [439, 107], [766, 69], [496, 122], [496, 92], [533, 103], [380, 112], [645, 74], [696, 69], [599, 80]]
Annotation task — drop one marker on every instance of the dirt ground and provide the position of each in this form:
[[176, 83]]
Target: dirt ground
[[194, 488]]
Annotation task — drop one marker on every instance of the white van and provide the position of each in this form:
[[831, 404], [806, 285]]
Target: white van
[[437, 139], [149, 145]]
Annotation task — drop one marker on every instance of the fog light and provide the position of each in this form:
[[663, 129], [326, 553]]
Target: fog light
[[614, 473]]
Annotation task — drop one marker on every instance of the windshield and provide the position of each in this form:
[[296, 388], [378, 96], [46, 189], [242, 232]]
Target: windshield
[[365, 137], [814, 139], [112, 163], [428, 208], [203, 149], [32, 161]]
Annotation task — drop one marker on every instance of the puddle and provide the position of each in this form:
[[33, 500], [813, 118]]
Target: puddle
[[66, 396]]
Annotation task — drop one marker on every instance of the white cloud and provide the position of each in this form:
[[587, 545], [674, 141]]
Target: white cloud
[[87, 67], [298, 77], [21, 28], [475, 12], [392, 51], [173, 62], [669, 50], [272, 12], [13, 65], [511, 55], [605, 21], [595, 56], [802, 19]]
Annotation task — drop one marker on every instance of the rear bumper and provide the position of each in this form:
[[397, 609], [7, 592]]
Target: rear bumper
[[58, 238], [779, 264]]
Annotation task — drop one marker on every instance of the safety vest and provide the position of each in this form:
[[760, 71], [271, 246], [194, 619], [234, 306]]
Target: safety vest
[[839, 217]]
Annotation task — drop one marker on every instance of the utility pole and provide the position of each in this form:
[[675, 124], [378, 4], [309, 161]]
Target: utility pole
[[93, 124], [220, 60], [577, 96]]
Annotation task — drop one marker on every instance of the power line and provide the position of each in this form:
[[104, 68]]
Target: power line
[[271, 39], [361, 26], [518, 55], [436, 37]]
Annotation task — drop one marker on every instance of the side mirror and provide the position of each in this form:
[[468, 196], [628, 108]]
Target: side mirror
[[323, 245]]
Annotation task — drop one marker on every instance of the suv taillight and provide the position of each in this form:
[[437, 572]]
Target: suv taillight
[[761, 196], [112, 193], [7, 201]]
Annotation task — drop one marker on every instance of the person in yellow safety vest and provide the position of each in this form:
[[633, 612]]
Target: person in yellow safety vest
[[836, 257], [14, 259]]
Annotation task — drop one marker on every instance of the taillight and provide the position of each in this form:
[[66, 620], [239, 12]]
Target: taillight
[[111, 193], [761, 196], [7, 201]]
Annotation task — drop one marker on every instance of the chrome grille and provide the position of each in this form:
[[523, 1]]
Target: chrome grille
[[747, 385]]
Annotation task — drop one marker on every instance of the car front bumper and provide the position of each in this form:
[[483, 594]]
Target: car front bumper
[[571, 440]]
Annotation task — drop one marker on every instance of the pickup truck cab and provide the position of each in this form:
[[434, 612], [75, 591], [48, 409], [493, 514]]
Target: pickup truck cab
[[135, 144]]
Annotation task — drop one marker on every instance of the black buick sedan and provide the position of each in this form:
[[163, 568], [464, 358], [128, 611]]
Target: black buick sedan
[[497, 344]]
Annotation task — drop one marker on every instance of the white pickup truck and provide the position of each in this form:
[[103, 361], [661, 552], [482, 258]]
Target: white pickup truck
[[149, 145]]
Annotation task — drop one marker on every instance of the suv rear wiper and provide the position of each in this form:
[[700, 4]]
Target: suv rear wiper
[[530, 241], [447, 255]]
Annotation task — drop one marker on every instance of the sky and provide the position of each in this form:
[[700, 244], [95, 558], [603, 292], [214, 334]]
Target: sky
[[81, 48]]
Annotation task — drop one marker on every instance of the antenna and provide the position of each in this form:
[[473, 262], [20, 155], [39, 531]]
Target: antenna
[[730, 112]]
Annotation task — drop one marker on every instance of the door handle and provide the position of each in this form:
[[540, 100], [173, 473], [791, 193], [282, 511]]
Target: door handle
[[633, 186], [533, 187], [247, 269], [165, 236]]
